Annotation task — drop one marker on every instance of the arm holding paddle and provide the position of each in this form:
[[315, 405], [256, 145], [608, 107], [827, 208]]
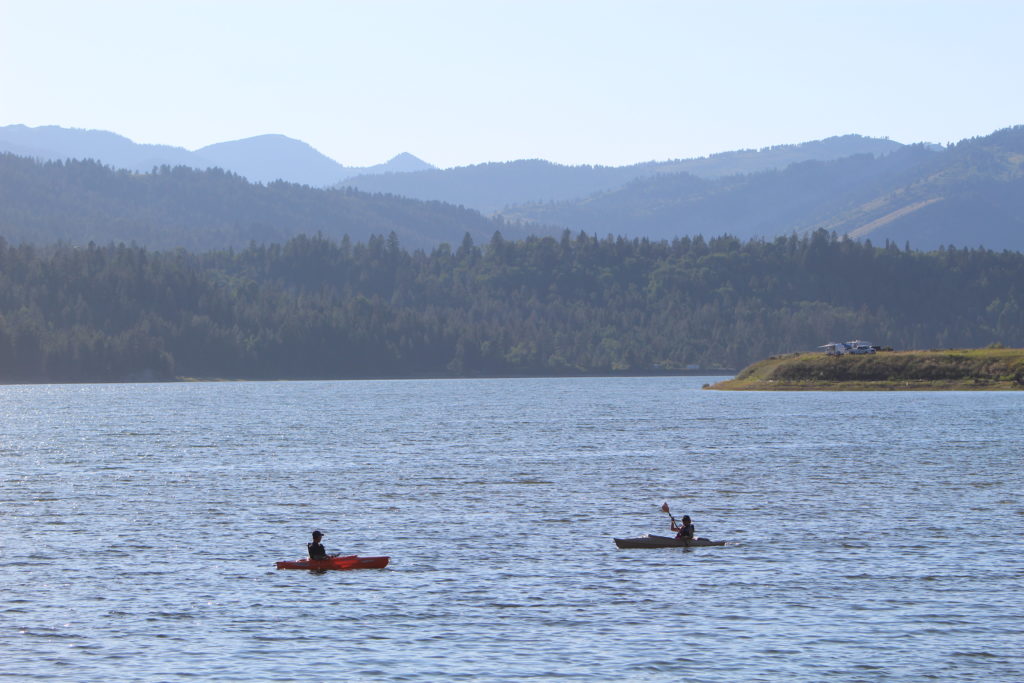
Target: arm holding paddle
[[685, 531]]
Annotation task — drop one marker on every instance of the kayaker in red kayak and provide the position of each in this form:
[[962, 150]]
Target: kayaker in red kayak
[[316, 549]]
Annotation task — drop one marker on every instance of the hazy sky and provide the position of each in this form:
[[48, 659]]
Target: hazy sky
[[466, 81]]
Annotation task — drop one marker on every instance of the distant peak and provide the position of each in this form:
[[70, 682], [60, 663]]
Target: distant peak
[[406, 162], [275, 139], [404, 156]]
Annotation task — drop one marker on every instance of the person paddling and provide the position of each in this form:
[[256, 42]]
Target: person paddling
[[685, 531], [316, 549]]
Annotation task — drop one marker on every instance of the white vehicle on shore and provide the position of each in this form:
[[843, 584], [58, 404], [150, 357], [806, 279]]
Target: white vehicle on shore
[[860, 347]]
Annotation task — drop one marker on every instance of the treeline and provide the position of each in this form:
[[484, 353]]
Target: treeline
[[313, 307]]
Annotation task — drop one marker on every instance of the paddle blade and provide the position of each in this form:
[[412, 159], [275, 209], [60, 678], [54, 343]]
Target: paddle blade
[[664, 507]]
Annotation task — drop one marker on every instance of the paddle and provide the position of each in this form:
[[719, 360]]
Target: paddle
[[664, 508]]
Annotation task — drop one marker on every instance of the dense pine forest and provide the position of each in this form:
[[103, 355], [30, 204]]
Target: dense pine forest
[[317, 308]]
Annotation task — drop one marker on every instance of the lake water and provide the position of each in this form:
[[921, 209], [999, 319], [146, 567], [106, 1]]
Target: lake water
[[874, 536]]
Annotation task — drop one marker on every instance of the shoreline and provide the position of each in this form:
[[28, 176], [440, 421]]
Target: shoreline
[[181, 379], [990, 369]]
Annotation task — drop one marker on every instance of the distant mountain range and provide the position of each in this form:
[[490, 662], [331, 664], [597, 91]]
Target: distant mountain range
[[260, 159], [968, 194], [487, 188], [493, 187]]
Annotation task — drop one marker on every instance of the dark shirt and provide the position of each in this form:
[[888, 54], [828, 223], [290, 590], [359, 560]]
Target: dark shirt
[[686, 532], [316, 551]]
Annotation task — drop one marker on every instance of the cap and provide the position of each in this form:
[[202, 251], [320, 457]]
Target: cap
[[318, 533]]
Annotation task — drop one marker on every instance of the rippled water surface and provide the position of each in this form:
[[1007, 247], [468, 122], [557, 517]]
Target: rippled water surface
[[873, 536]]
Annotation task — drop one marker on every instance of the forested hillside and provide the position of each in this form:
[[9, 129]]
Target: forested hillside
[[315, 308], [969, 194], [82, 201], [54, 143], [758, 205], [491, 187]]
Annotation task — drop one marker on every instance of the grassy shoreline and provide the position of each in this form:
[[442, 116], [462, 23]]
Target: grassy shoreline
[[991, 369]]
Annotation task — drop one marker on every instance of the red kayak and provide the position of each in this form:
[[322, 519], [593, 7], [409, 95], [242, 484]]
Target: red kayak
[[347, 562]]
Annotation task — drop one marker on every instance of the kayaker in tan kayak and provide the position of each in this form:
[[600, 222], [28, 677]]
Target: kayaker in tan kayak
[[685, 531]]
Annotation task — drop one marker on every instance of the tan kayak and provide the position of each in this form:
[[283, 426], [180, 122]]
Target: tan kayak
[[651, 541]]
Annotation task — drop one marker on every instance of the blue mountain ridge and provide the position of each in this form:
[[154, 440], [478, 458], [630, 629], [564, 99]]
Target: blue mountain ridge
[[263, 158]]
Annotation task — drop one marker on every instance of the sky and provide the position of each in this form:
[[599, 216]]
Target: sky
[[458, 82]]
